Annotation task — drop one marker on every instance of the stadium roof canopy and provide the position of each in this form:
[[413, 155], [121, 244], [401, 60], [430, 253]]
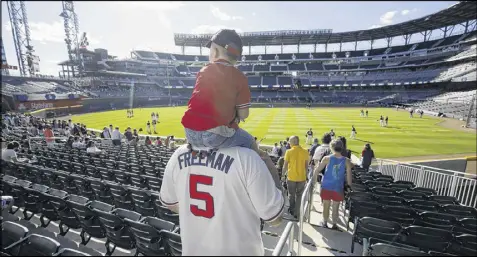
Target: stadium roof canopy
[[457, 14]]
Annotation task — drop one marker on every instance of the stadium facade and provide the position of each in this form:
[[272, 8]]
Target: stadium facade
[[391, 74]]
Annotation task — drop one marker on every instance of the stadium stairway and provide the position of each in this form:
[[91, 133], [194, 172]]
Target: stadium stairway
[[317, 241]]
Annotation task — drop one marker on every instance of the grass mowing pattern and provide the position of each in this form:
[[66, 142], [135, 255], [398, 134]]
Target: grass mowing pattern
[[402, 138]]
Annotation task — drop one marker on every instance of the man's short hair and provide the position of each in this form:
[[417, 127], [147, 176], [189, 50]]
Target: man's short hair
[[315, 140], [326, 139], [294, 140]]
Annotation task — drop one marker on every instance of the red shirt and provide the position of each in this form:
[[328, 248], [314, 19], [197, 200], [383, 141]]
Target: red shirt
[[220, 89], [48, 135]]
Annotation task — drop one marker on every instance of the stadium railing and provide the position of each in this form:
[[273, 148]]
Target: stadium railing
[[287, 236], [306, 205], [461, 185]]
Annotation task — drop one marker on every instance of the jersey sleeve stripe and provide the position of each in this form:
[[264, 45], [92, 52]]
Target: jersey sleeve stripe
[[278, 214], [241, 106], [166, 203]]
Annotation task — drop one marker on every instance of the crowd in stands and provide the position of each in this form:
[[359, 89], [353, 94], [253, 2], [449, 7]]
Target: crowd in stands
[[22, 130]]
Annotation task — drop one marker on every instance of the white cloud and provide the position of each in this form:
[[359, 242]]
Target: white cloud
[[54, 32], [375, 26], [47, 32], [406, 12], [253, 14], [217, 13], [162, 8], [387, 18], [210, 29], [156, 6]]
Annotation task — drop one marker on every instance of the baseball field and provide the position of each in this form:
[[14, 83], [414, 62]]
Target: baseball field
[[404, 136]]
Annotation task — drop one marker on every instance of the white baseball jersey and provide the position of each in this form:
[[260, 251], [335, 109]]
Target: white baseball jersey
[[221, 199]]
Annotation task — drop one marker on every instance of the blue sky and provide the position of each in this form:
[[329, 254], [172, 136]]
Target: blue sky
[[123, 26]]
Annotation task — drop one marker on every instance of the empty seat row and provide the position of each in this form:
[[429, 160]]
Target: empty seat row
[[96, 219], [422, 239], [37, 198]]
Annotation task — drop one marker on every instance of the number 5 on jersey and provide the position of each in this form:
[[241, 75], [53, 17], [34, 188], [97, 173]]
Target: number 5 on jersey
[[209, 211]]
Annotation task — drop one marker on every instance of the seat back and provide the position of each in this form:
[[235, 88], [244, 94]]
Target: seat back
[[113, 221], [172, 243], [402, 215], [101, 191], [148, 239], [88, 219], [362, 209], [464, 245], [460, 211], [383, 191], [166, 214], [38, 245], [466, 226], [12, 232], [121, 195], [444, 199], [390, 200], [436, 220], [407, 194], [71, 252], [427, 239], [424, 205], [427, 191], [143, 201], [381, 249]]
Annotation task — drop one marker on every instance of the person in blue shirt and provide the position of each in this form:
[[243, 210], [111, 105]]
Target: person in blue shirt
[[337, 172]]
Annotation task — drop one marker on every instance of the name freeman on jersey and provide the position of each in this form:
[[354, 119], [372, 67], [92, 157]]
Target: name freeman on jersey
[[220, 162]]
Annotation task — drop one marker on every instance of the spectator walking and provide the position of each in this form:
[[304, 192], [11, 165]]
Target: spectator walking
[[275, 150], [148, 141], [283, 145], [296, 168], [48, 133], [158, 141], [367, 157], [345, 152], [322, 151], [128, 135], [106, 133], [338, 171], [116, 137]]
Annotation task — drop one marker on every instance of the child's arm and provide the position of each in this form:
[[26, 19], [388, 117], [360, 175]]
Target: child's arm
[[242, 102]]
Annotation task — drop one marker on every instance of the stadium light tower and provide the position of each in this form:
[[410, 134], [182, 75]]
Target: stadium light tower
[[21, 37], [71, 24]]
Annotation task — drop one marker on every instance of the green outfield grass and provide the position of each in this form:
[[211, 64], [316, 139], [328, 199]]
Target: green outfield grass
[[402, 138]]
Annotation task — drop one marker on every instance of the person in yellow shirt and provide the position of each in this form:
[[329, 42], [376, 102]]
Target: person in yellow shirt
[[296, 168]]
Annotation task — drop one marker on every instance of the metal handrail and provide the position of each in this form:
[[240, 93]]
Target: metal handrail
[[288, 233], [461, 185], [306, 201]]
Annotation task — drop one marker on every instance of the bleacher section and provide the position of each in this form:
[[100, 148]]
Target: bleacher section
[[109, 203], [453, 105]]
